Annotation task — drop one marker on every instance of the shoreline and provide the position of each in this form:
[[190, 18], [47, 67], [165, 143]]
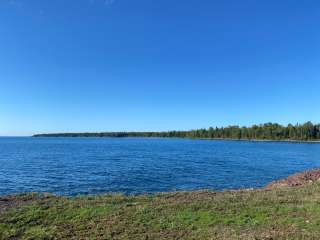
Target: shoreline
[[209, 139], [282, 210], [261, 140], [298, 179]]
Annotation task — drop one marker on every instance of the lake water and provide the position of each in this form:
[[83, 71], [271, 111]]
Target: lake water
[[71, 166]]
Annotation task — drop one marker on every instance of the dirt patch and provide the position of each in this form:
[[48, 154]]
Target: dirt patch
[[9, 202], [299, 179]]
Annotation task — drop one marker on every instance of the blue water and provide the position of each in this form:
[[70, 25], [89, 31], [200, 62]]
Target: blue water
[[71, 166]]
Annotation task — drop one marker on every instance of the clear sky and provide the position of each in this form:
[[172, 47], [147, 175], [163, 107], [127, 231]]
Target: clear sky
[[94, 65]]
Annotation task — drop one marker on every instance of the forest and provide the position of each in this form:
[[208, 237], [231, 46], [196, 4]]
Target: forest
[[268, 131]]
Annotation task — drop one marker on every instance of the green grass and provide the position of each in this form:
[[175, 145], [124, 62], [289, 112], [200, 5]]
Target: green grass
[[291, 213]]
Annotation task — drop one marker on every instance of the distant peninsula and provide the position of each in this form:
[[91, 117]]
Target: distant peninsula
[[268, 131]]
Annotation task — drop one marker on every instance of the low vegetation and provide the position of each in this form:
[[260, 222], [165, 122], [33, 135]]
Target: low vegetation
[[268, 131], [273, 213]]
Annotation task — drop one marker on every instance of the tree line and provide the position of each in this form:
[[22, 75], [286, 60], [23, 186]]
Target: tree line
[[268, 131]]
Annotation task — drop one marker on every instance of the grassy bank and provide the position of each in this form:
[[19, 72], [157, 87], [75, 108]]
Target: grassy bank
[[285, 213]]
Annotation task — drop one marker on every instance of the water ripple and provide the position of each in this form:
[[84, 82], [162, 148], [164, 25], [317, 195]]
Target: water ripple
[[72, 166]]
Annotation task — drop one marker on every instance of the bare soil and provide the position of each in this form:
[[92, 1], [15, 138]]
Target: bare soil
[[15, 201]]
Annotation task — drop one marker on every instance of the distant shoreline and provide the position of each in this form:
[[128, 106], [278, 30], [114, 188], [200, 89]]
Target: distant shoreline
[[306, 132], [208, 139], [264, 140]]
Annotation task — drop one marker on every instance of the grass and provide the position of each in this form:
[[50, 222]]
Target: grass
[[287, 213]]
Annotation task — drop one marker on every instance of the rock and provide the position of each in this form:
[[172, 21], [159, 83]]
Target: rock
[[299, 179]]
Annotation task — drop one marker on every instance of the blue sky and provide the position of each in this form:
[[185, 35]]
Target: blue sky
[[94, 65]]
